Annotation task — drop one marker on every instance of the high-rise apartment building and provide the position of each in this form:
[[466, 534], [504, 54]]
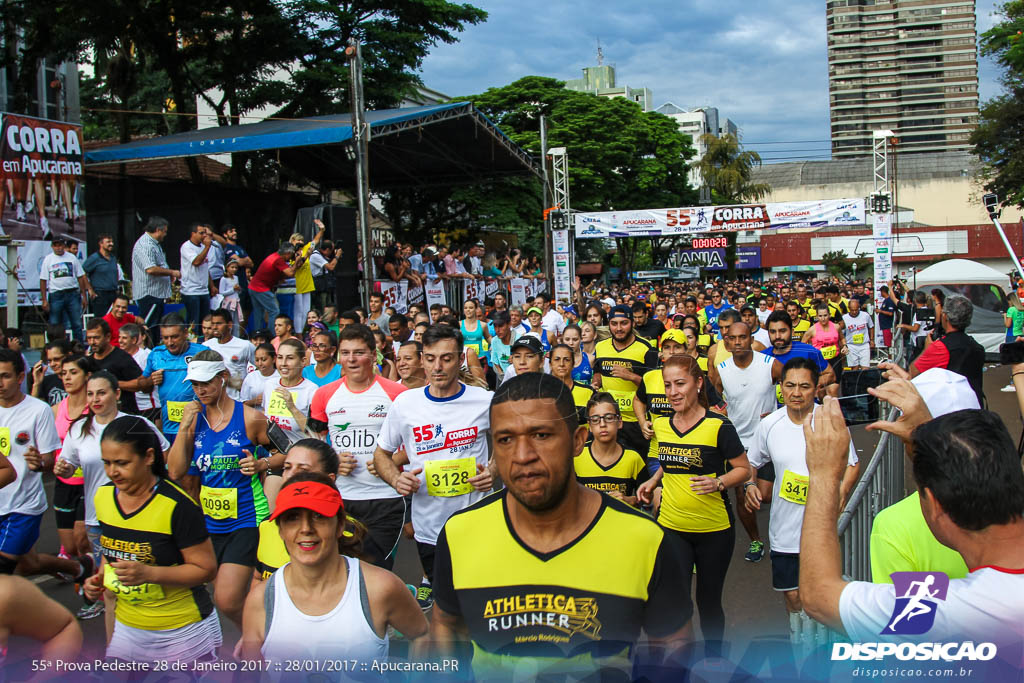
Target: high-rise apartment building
[[910, 66]]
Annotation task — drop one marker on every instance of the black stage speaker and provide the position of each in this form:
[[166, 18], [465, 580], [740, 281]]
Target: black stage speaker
[[340, 224]]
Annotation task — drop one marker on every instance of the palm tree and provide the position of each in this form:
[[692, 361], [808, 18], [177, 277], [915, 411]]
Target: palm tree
[[726, 168]]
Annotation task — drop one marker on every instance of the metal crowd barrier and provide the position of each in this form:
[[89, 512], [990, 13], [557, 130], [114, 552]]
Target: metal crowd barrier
[[881, 484]]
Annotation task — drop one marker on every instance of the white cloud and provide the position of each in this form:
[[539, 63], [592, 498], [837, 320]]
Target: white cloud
[[763, 63]]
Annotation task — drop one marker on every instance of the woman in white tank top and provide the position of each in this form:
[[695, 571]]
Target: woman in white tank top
[[323, 606]]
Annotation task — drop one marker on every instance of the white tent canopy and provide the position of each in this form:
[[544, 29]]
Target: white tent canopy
[[960, 271]]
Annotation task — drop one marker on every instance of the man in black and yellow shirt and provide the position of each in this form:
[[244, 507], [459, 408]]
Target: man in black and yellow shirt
[[620, 363], [650, 401], [522, 587]]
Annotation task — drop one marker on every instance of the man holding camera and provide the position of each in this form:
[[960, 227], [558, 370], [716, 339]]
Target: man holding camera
[[956, 351]]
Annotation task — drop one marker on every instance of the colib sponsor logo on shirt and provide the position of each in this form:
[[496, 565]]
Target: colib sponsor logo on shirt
[[918, 599]]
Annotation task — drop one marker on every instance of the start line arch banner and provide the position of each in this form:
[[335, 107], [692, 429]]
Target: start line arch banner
[[699, 219]]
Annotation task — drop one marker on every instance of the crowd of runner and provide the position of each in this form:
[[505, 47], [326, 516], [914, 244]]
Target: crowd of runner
[[571, 474]]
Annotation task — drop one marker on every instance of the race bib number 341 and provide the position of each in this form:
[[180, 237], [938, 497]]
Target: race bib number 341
[[794, 488], [446, 478]]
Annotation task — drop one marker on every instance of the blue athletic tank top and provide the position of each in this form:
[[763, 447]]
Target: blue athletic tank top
[[230, 499], [583, 372]]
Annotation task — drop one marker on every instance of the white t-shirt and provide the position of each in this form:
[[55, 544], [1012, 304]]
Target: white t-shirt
[[778, 440], [984, 606], [143, 399], [553, 323], [226, 287], [237, 354], [60, 272], [762, 336], [432, 430], [858, 328], [353, 422], [83, 450], [252, 385], [274, 407], [29, 423], [762, 316], [195, 280], [750, 392]]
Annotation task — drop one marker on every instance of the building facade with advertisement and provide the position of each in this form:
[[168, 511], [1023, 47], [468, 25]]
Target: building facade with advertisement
[[41, 162]]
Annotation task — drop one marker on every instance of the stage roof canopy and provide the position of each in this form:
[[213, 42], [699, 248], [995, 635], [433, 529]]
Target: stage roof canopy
[[414, 146]]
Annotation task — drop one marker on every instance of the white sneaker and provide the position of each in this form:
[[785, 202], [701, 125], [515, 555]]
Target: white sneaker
[[2, 229], [19, 211], [1009, 388], [44, 225]]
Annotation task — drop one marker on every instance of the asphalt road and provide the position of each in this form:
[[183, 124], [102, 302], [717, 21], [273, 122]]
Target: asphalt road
[[752, 608]]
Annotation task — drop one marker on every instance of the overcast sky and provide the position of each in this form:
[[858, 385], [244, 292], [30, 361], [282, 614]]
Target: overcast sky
[[763, 63]]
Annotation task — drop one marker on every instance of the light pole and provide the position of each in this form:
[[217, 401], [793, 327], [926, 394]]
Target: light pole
[[361, 147]]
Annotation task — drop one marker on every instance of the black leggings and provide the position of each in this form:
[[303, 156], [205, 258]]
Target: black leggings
[[711, 552]]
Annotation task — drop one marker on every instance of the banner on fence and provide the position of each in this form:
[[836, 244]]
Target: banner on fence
[[415, 295], [517, 291], [396, 294], [695, 219], [473, 289], [434, 291]]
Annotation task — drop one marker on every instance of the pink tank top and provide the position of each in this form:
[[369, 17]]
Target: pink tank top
[[826, 341], [63, 423]]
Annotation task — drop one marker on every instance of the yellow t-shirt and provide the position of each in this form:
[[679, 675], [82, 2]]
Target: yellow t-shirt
[[703, 450], [624, 475], [304, 275]]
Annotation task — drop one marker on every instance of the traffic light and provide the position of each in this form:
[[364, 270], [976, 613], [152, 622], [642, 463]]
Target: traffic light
[[879, 202], [559, 220]]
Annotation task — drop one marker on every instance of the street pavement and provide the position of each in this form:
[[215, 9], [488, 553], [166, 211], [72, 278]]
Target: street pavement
[[752, 608]]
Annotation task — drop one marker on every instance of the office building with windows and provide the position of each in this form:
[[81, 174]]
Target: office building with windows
[[910, 66]]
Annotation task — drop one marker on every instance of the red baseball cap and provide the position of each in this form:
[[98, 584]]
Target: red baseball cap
[[308, 495]]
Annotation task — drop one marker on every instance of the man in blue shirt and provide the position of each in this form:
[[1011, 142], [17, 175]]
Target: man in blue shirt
[[103, 272], [166, 368], [713, 310], [228, 241], [886, 315], [780, 331]]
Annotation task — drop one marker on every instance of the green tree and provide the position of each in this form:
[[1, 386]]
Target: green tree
[[161, 57], [999, 138], [727, 169], [619, 157], [837, 263]]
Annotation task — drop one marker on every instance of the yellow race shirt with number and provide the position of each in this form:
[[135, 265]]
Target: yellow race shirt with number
[[639, 357], [576, 611], [155, 534], [624, 475], [702, 450]]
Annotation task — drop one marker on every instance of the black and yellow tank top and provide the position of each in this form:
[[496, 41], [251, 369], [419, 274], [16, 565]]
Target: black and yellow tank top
[[624, 475], [555, 607], [703, 450], [271, 554], [155, 534], [638, 358]]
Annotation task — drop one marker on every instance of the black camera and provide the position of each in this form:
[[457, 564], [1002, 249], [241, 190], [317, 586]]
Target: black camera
[[1012, 353], [991, 201]]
